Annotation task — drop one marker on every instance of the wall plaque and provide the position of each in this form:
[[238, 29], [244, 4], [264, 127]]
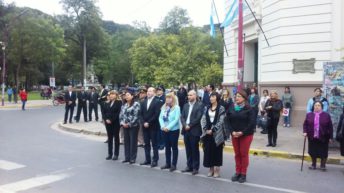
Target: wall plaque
[[304, 66]]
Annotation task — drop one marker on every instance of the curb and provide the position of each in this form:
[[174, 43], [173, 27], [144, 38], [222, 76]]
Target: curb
[[228, 149], [86, 132], [19, 107]]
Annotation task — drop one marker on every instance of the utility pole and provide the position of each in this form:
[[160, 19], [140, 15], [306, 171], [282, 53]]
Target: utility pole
[[84, 63], [240, 48]]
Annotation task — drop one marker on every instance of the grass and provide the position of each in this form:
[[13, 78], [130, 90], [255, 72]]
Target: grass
[[34, 95]]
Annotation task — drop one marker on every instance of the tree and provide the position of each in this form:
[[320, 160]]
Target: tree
[[171, 59], [83, 27], [34, 42], [174, 21]]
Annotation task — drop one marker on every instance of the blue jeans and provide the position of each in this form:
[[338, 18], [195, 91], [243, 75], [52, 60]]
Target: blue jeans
[[23, 104], [171, 143], [161, 140], [287, 119]]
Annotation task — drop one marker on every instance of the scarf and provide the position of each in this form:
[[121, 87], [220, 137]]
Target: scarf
[[316, 124], [238, 107], [166, 113]]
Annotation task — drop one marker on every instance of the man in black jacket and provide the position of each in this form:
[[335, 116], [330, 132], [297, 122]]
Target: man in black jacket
[[150, 111], [102, 98], [93, 104], [82, 104], [70, 98], [192, 130]]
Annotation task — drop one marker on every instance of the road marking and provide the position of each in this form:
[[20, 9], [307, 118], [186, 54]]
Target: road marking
[[31, 183], [226, 180], [7, 165]]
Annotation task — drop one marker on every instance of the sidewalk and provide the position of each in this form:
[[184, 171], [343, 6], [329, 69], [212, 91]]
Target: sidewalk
[[289, 143], [29, 104]]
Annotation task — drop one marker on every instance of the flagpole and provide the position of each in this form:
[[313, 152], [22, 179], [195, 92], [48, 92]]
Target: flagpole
[[255, 18], [218, 20], [240, 47]]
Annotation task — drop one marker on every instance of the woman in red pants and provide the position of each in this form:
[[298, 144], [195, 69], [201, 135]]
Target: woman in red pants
[[241, 124]]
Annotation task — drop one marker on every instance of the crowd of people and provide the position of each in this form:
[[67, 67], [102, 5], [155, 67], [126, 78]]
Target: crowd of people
[[12, 92], [154, 119]]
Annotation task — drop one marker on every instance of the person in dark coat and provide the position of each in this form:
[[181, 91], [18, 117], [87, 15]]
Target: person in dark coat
[[192, 130], [213, 135], [93, 104], [227, 102], [318, 128], [253, 100], [150, 111], [182, 96], [102, 98], [241, 125], [69, 97], [112, 110], [82, 104], [340, 133], [273, 109]]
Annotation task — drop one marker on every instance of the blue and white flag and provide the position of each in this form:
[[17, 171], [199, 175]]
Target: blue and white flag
[[232, 13], [212, 26]]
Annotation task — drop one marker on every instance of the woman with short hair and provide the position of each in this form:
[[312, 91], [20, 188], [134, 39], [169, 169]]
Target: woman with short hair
[[112, 110], [318, 128], [273, 107]]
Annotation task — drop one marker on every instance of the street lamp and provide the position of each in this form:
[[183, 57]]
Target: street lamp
[[3, 72]]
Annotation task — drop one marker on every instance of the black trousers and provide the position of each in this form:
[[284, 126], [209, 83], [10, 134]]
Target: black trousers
[[69, 110], [130, 143], [150, 137], [272, 130], [171, 147], [192, 150], [82, 106], [112, 134], [91, 107]]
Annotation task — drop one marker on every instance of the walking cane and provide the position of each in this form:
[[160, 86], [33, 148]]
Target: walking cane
[[303, 153]]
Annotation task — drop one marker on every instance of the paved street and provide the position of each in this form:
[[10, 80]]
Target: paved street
[[36, 157]]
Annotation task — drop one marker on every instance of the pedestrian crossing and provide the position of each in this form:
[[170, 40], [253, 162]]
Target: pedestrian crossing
[[29, 183]]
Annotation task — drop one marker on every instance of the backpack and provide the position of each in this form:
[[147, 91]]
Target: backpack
[[322, 101]]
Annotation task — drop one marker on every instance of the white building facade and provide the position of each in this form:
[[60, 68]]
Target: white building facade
[[305, 32]]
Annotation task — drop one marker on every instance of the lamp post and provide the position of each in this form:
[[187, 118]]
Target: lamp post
[[3, 73]]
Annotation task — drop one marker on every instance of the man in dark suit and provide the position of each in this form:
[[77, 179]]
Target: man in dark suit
[[192, 130], [150, 111], [82, 104], [161, 97], [93, 104], [70, 98], [102, 98]]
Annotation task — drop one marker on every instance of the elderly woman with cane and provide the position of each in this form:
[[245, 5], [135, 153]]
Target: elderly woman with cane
[[318, 128]]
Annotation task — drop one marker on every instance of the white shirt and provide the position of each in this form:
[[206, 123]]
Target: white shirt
[[70, 94], [191, 105], [212, 115], [149, 101]]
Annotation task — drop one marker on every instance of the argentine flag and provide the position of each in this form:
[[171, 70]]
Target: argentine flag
[[232, 13], [212, 26]]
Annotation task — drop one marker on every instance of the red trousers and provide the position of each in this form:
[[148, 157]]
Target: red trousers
[[241, 147]]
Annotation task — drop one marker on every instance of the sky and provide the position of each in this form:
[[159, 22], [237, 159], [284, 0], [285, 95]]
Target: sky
[[127, 11]]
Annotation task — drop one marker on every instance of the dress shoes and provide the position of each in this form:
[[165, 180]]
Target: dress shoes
[[187, 169], [173, 168], [165, 167], [145, 163], [194, 172], [154, 164]]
